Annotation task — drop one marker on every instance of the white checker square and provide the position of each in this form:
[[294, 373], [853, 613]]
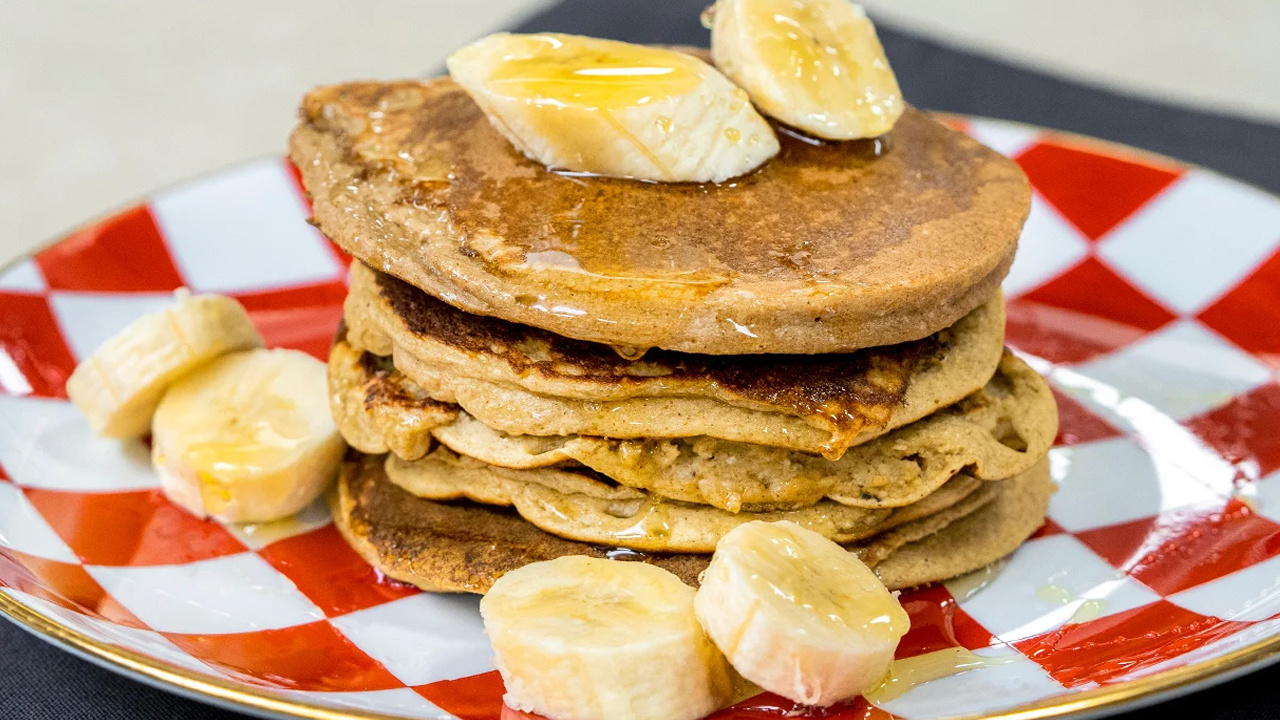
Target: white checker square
[[1051, 582], [23, 276], [1088, 477], [232, 594], [90, 319], [1008, 681], [401, 702], [1252, 593], [24, 529], [48, 444], [1183, 369], [244, 230], [12, 380], [1264, 496], [256, 536], [1048, 247], [1008, 139], [422, 638], [1181, 460], [1196, 240]]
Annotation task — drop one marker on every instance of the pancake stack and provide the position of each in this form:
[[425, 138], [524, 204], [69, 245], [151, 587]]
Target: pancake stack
[[535, 364]]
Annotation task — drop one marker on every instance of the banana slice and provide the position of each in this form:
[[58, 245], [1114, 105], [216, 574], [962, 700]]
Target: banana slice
[[797, 614], [119, 386], [248, 437], [612, 108], [813, 64], [581, 638]]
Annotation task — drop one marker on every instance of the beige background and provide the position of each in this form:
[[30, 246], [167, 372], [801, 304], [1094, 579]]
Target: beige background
[[102, 102]]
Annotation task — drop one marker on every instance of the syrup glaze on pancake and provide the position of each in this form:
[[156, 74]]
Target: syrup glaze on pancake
[[828, 247]]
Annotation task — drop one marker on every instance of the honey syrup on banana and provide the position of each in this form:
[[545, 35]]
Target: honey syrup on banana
[[614, 109]]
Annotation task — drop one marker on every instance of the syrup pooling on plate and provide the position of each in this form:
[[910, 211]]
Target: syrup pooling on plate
[[909, 673]]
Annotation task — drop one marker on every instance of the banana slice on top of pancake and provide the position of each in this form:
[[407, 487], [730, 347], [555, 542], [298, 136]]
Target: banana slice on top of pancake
[[814, 64], [613, 108]]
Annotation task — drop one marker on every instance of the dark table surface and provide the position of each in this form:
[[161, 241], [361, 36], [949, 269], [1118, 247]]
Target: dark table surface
[[40, 682]]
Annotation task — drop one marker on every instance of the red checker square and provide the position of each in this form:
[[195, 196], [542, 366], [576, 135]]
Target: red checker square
[[343, 258], [768, 705], [131, 528], [1085, 312], [125, 253], [938, 622], [314, 656], [302, 318], [1249, 314], [1094, 191], [1047, 529], [1108, 648], [63, 584], [1188, 547], [1245, 431], [1077, 424], [30, 337], [478, 697], [325, 569]]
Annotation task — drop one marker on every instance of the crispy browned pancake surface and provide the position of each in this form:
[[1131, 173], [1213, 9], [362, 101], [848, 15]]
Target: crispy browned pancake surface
[[826, 248]]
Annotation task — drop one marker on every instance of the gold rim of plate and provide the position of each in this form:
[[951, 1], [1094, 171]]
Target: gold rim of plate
[[1088, 702], [1113, 697]]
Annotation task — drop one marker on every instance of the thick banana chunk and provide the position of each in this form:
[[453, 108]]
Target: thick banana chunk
[[612, 108], [581, 638], [797, 614], [814, 64], [119, 386], [248, 437]]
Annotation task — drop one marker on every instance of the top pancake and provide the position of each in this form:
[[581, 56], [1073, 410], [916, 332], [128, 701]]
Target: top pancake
[[829, 247]]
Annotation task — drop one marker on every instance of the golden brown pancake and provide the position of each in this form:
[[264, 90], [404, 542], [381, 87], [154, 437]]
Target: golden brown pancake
[[579, 504], [465, 547], [993, 434], [829, 247], [376, 408], [523, 380]]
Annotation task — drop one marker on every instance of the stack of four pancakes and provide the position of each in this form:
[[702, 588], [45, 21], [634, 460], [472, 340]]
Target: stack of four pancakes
[[546, 363]]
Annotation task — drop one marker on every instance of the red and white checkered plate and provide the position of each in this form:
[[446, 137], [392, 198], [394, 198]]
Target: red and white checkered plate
[[1146, 291]]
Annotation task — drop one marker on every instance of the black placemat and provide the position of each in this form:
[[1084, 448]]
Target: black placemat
[[39, 682]]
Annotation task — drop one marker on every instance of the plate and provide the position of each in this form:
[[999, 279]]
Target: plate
[[1146, 291]]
